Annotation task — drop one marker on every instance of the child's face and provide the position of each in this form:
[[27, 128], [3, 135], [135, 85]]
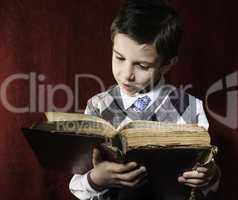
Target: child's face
[[135, 66]]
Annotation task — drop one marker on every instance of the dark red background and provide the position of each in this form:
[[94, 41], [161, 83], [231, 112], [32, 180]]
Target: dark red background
[[60, 38]]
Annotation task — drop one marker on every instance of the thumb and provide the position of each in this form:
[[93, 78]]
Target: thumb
[[96, 158]]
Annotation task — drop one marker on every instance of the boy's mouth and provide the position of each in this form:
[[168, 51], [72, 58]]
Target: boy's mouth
[[128, 87]]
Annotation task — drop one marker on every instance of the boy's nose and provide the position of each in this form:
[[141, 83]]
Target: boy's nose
[[129, 74]]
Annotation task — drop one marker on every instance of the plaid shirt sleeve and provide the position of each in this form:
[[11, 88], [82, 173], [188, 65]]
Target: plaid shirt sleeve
[[91, 108]]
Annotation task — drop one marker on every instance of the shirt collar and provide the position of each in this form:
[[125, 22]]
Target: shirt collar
[[153, 94]]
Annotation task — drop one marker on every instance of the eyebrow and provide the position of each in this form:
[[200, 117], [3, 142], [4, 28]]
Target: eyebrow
[[144, 62], [118, 52]]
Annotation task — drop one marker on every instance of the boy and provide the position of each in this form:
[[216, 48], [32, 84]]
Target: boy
[[145, 37]]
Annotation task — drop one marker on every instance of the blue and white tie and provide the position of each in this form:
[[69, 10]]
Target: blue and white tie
[[141, 103]]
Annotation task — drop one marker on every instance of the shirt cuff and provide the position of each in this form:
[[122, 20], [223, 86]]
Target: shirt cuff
[[89, 188]]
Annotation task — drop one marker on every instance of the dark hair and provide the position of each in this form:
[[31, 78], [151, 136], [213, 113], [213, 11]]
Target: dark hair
[[149, 21]]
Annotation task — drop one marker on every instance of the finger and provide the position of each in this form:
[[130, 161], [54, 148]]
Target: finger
[[133, 183], [202, 169], [181, 179], [122, 168], [208, 172], [194, 174], [96, 158], [195, 186], [197, 181], [129, 176]]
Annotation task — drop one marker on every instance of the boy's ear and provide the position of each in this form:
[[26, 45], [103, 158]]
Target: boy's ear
[[170, 63]]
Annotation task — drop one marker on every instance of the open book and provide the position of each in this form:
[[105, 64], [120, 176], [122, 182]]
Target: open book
[[66, 140], [74, 135], [135, 134]]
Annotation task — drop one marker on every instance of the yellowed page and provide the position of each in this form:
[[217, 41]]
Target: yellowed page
[[144, 124], [63, 116], [83, 121], [145, 133]]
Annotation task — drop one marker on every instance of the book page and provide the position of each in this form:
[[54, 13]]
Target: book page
[[61, 116], [149, 133], [81, 122], [145, 124]]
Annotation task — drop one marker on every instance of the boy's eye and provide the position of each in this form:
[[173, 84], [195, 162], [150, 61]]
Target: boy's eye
[[143, 67], [120, 58]]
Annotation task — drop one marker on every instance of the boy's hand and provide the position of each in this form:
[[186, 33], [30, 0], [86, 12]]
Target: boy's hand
[[200, 177], [106, 174]]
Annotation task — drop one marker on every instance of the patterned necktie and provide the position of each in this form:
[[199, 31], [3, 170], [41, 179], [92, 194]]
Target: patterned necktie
[[141, 103]]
